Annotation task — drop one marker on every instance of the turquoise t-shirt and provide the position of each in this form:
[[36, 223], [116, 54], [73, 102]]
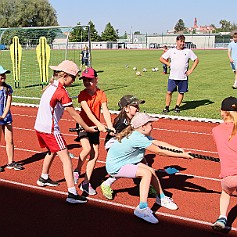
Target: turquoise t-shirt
[[130, 150]]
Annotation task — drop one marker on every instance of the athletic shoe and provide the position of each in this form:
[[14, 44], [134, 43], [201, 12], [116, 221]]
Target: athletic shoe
[[86, 187], [107, 191], [165, 111], [1, 169], [219, 224], [75, 199], [46, 182], [152, 191], [146, 214], [166, 202], [76, 176], [234, 87], [77, 139], [177, 110], [15, 166]]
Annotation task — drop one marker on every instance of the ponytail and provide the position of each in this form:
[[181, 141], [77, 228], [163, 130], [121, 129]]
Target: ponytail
[[125, 133], [233, 115]]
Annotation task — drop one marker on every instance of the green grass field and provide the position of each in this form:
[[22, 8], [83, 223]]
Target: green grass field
[[208, 85]]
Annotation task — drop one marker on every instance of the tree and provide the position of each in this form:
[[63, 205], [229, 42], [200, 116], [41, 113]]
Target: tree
[[109, 34], [179, 26], [80, 33], [94, 33], [225, 25], [27, 13]]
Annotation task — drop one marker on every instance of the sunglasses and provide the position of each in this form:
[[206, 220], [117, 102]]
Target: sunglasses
[[135, 105]]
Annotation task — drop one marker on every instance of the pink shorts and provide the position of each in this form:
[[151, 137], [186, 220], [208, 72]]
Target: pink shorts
[[229, 184], [53, 143], [127, 171]]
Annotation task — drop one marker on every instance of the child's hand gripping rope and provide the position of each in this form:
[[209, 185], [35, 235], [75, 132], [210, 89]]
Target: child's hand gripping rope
[[194, 155]]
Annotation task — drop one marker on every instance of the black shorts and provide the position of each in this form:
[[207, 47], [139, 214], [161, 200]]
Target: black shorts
[[94, 138]]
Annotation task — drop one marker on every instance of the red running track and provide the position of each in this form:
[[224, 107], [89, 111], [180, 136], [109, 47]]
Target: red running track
[[27, 209]]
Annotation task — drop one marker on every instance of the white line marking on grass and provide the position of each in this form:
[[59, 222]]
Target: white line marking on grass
[[113, 203]]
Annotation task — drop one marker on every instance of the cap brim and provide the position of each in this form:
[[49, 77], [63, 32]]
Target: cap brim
[[55, 68], [5, 72], [153, 119]]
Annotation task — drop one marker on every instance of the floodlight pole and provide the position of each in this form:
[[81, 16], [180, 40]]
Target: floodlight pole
[[89, 39]]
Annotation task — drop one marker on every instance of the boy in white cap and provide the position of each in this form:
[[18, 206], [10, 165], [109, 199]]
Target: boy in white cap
[[52, 104], [125, 156]]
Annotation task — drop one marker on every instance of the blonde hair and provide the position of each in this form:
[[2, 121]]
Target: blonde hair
[[125, 133], [233, 116]]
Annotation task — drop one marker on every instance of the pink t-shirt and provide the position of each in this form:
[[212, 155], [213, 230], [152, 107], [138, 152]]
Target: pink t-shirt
[[227, 149]]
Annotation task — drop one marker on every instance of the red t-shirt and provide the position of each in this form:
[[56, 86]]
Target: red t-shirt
[[227, 149], [94, 102]]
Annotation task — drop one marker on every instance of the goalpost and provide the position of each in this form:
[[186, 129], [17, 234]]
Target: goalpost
[[29, 51]]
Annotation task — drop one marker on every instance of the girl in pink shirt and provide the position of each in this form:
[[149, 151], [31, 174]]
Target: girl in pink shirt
[[226, 141]]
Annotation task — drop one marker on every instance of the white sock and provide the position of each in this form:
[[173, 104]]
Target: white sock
[[45, 176], [110, 181], [72, 190], [223, 216]]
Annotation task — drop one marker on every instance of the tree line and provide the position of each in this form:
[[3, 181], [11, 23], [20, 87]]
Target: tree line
[[225, 26], [38, 13]]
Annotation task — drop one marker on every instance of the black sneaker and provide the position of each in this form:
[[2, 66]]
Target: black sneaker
[[1, 169], [77, 139], [219, 224], [46, 182], [75, 199], [15, 166], [165, 111], [234, 87], [177, 110]]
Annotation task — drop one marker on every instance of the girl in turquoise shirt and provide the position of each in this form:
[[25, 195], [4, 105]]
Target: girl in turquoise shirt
[[124, 160]]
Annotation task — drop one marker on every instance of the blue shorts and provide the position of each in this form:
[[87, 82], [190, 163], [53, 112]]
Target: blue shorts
[[182, 85], [233, 65]]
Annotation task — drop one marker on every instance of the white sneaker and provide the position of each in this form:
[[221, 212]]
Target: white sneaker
[[166, 202], [146, 214], [76, 176]]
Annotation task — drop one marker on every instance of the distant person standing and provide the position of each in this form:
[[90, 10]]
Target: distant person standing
[[85, 58], [232, 54], [179, 72]]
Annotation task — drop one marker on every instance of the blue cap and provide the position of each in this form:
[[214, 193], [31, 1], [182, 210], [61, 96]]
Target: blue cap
[[3, 71]]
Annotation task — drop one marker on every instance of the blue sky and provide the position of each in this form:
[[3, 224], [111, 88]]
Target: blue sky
[[147, 16]]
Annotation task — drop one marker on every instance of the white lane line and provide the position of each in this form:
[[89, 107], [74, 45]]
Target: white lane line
[[182, 131], [103, 162], [161, 129], [113, 203], [68, 134]]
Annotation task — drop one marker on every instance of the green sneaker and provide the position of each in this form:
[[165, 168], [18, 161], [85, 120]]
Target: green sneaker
[[152, 191], [107, 191]]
